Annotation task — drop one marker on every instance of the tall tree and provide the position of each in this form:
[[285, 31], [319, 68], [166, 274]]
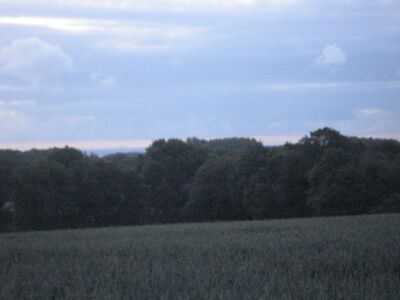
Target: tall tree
[[167, 170], [212, 191]]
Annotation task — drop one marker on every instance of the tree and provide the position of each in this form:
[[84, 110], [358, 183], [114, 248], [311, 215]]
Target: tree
[[199, 180], [337, 184], [66, 156], [9, 165], [280, 188], [211, 193], [134, 207], [100, 195], [325, 137], [43, 196], [168, 169], [249, 182]]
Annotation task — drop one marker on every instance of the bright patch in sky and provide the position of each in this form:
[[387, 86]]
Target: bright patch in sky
[[109, 74], [161, 4], [33, 60], [331, 55]]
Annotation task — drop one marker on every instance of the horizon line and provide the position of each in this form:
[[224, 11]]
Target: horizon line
[[109, 144]]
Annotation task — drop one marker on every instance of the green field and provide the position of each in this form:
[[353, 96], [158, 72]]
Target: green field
[[354, 257]]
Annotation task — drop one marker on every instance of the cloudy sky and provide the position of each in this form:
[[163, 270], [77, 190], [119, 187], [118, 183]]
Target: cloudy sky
[[109, 74]]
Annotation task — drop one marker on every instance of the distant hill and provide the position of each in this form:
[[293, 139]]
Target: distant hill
[[108, 151], [224, 144], [124, 161]]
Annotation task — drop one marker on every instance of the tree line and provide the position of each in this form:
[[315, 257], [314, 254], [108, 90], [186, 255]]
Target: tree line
[[325, 173]]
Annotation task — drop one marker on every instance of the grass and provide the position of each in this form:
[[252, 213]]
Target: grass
[[354, 257]]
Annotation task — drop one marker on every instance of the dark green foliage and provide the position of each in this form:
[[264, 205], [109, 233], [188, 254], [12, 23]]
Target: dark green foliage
[[124, 161], [168, 171], [326, 173], [67, 156], [211, 194], [9, 164], [45, 196], [101, 193], [327, 138], [226, 144], [337, 184], [134, 209]]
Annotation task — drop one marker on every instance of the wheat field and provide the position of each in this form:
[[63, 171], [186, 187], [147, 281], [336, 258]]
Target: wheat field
[[356, 257]]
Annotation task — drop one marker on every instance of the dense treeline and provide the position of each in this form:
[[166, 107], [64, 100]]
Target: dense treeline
[[326, 173]]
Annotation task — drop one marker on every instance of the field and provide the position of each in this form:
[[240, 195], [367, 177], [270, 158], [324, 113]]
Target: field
[[354, 257]]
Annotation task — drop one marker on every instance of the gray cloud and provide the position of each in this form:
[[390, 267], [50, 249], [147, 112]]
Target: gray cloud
[[174, 5], [332, 55], [102, 80], [151, 69], [33, 60], [12, 122], [111, 33]]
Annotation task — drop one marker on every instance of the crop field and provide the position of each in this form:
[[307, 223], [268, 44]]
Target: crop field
[[354, 257]]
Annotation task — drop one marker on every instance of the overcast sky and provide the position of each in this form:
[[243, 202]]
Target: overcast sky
[[109, 74]]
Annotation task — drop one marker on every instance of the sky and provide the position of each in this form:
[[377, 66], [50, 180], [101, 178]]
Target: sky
[[97, 74]]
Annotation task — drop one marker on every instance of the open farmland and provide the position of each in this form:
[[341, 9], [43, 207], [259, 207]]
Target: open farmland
[[354, 257]]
